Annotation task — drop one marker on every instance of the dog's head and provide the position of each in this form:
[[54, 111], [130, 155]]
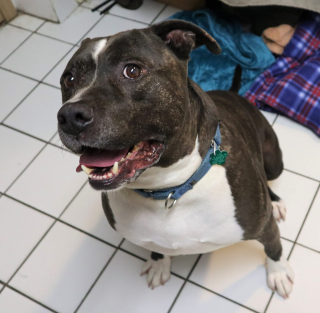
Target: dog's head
[[125, 99]]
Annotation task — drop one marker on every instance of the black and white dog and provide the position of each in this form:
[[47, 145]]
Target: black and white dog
[[150, 140]]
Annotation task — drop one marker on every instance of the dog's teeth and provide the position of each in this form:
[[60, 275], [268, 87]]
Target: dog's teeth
[[90, 175], [129, 155], [123, 159], [105, 176], [109, 175], [86, 170], [135, 148], [115, 168]]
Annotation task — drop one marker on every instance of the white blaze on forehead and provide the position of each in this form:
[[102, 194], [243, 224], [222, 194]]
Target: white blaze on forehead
[[98, 48]]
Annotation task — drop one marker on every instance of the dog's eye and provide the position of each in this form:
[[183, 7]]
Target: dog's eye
[[69, 80], [132, 71]]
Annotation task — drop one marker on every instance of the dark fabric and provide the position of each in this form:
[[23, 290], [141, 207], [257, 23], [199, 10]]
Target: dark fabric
[[214, 72], [292, 84], [260, 17]]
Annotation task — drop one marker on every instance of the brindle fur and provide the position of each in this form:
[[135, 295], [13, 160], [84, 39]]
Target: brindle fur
[[165, 105]]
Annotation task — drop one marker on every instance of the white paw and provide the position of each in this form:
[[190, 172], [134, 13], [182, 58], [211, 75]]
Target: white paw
[[280, 277], [279, 210], [158, 272]]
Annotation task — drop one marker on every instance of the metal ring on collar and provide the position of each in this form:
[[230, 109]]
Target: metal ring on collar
[[167, 200]]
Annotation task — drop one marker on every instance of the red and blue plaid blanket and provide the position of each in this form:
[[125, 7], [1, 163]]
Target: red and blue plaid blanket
[[292, 83]]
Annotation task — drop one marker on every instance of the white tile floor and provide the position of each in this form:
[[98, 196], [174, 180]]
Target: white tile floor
[[58, 252]]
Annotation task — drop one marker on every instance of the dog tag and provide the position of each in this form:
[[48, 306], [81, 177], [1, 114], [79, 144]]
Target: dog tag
[[219, 157]]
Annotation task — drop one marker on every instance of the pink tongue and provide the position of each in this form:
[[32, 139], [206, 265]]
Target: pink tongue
[[101, 158]]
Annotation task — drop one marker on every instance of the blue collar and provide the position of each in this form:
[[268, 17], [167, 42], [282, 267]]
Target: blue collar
[[176, 192]]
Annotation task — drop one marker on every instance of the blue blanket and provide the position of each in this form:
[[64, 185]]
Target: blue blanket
[[238, 47]]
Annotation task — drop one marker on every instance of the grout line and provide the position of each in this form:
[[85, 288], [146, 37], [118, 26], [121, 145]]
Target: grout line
[[318, 181], [39, 82], [98, 277], [25, 168], [158, 14], [24, 133], [44, 235], [128, 18], [305, 219], [81, 230], [89, 30], [274, 121], [295, 242], [13, 72], [6, 58], [28, 94], [23, 28], [50, 85], [267, 306], [57, 39], [218, 294], [37, 138], [184, 283], [31, 33], [33, 300], [301, 245]]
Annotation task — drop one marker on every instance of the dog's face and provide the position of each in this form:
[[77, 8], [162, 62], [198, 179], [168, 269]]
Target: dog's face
[[125, 98]]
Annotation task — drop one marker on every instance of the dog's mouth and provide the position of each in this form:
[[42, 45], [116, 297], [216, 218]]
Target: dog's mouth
[[109, 169]]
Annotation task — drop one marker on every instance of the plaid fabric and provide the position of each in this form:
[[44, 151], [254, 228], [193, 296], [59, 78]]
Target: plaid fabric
[[292, 83]]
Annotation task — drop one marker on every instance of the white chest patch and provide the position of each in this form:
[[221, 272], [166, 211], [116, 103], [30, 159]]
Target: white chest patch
[[202, 220]]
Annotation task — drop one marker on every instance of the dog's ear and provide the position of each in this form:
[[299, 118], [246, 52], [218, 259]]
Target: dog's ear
[[182, 37], [85, 41]]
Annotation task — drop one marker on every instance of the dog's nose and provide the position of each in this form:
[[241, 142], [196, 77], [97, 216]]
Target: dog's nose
[[74, 117]]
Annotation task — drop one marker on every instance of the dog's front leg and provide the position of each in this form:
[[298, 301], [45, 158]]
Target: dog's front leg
[[157, 269], [280, 276]]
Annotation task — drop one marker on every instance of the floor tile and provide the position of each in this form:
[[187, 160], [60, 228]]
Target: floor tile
[[50, 182], [195, 299], [62, 269], [86, 213], [54, 77], [73, 28], [300, 147], [269, 116], [146, 13], [37, 114], [13, 302], [181, 265], [17, 150], [310, 231], [10, 38], [111, 25], [13, 88], [297, 192], [166, 13], [305, 294], [120, 278], [37, 56], [20, 230], [27, 21], [238, 273]]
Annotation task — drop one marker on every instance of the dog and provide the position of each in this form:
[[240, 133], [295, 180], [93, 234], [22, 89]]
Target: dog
[[181, 171]]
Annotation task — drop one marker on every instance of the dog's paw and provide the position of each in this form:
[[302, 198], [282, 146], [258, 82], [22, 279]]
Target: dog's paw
[[280, 277], [279, 210], [158, 272]]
